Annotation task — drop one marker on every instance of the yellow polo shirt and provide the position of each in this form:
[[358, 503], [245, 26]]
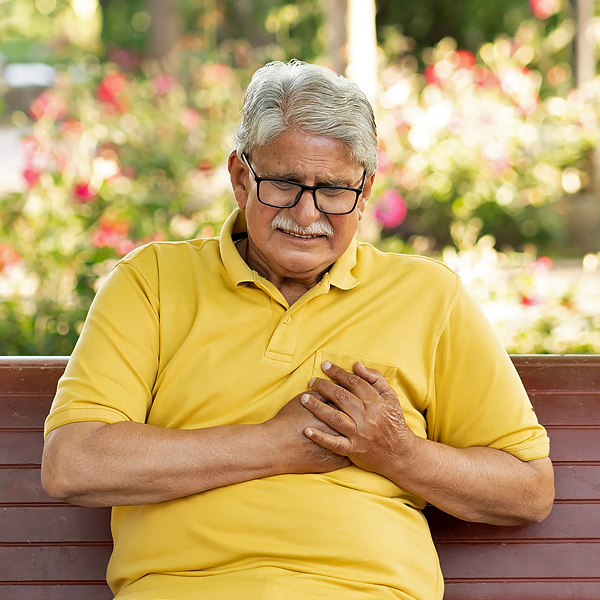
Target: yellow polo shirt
[[185, 335]]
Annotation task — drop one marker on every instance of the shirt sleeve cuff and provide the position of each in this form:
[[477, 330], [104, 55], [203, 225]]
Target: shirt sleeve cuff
[[79, 414], [540, 449]]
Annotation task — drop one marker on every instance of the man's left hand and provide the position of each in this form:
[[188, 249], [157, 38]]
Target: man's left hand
[[367, 414]]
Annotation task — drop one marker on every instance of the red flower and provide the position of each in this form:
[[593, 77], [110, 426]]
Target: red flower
[[543, 9], [529, 300], [8, 256], [71, 128], [83, 193], [464, 59], [110, 91], [110, 233], [48, 105], [431, 76], [391, 209]]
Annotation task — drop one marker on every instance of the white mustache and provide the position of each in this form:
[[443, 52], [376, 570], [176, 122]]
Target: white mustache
[[320, 227]]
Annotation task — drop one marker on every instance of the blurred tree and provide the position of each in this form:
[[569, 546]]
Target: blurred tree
[[469, 22]]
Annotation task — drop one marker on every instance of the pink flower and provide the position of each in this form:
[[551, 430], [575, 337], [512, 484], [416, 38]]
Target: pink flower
[[384, 164], [71, 128], [163, 83], [110, 91], [529, 300], [500, 166], [128, 60], [31, 177], [485, 78], [36, 157], [216, 73], [190, 119], [83, 193], [48, 105], [391, 209], [543, 9], [110, 233], [542, 265], [125, 247], [8, 256]]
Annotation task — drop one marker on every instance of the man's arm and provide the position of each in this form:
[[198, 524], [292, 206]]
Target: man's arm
[[127, 463], [475, 484]]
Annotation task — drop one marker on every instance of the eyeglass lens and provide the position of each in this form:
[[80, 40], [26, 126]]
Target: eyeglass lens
[[329, 199]]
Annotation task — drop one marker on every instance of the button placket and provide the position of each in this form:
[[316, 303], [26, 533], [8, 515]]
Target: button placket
[[283, 341]]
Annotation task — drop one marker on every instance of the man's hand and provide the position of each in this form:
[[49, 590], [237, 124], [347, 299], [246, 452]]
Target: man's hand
[[293, 450], [475, 484], [369, 427]]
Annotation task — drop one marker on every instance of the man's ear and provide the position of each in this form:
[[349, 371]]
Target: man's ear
[[366, 193], [240, 180]]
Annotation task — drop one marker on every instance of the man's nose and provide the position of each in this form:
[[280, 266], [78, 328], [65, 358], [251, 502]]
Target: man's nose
[[305, 212]]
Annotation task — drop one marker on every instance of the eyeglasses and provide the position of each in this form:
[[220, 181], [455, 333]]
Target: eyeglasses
[[329, 199]]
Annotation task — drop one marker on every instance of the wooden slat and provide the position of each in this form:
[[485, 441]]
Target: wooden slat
[[520, 560], [574, 444], [564, 373], [24, 411], [53, 563], [526, 590], [59, 523], [38, 375], [577, 482], [566, 408], [21, 447], [22, 486], [36, 591], [566, 521]]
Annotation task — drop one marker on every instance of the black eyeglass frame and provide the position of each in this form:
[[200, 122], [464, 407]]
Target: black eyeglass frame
[[312, 188]]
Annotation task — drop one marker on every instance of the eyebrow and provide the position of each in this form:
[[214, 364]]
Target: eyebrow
[[295, 177]]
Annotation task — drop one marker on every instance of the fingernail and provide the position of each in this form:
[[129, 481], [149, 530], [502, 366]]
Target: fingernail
[[305, 398], [309, 432], [326, 365], [312, 381]]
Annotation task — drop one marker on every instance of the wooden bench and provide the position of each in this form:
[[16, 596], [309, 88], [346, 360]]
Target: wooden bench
[[51, 550]]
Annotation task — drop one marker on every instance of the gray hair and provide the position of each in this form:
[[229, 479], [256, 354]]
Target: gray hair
[[291, 96]]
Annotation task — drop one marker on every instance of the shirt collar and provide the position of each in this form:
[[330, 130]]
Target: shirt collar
[[340, 275]]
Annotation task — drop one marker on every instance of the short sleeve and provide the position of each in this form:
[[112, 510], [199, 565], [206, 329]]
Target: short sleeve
[[111, 373], [477, 397]]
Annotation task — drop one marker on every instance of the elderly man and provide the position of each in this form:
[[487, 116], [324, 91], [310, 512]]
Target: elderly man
[[269, 411]]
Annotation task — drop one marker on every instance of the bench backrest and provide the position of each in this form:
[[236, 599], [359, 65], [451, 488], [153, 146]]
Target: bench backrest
[[51, 550]]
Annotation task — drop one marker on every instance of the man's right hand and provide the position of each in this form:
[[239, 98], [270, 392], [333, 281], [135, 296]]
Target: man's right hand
[[295, 453]]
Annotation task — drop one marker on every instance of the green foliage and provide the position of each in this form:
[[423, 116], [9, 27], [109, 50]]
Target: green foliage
[[112, 163]]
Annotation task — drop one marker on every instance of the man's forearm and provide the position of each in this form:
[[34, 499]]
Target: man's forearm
[[477, 484], [95, 464], [127, 463]]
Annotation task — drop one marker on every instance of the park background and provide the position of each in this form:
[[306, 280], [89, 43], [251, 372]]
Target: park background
[[117, 117]]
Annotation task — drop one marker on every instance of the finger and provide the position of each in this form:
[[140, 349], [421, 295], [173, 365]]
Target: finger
[[351, 381], [337, 444], [336, 419], [341, 397], [373, 377]]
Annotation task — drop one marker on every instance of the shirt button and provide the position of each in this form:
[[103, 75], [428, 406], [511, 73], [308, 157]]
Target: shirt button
[[287, 320]]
